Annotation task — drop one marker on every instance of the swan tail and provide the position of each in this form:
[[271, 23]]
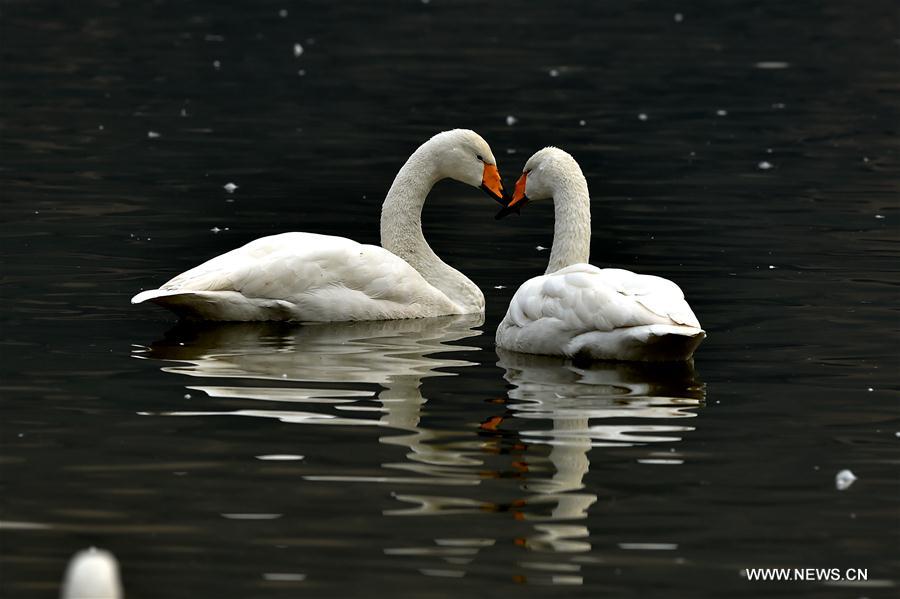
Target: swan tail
[[216, 305], [670, 343], [153, 295], [647, 343], [186, 304]]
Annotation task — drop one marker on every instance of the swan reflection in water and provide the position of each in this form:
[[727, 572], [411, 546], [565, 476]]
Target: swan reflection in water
[[534, 446]]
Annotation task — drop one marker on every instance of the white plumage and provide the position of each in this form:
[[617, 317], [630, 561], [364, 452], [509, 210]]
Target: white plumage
[[309, 277], [579, 310], [303, 277]]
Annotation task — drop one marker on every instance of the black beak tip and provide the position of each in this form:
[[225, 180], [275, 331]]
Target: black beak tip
[[506, 211], [502, 199]]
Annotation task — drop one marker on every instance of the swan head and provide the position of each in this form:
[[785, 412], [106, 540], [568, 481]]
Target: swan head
[[541, 177], [464, 156]]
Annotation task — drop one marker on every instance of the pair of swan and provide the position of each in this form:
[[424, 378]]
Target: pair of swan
[[574, 309]]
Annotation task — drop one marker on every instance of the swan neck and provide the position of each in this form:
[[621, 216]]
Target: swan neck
[[401, 213], [401, 227], [572, 227]]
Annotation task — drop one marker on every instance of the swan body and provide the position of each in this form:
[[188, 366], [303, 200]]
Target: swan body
[[303, 277], [578, 310], [321, 278]]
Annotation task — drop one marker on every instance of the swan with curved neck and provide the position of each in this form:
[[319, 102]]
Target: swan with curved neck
[[309, 277], [581, 311]]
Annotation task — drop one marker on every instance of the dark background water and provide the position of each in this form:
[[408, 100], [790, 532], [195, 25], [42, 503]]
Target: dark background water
[[432, 467]]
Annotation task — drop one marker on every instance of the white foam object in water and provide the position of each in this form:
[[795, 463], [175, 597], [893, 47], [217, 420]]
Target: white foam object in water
[[843, 480], [307, 277], [578, 310], [92, 574]]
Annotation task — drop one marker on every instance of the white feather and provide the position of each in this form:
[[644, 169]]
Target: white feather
[[304, 277]]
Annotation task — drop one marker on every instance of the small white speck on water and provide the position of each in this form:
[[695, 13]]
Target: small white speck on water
[[215, 229], [298, 50], [230, 187], [879, 216], [678, 17], [553, 72], [540, 248], [843, 480], [897, 434], [426, 1], [280, 457], [217, 65], [184, 112], [284, 376], [301, 72], [764, 165], [214, 38], [865, 159], [187, 395], [816, 468], [582, 122], [771, 267], [771, 65], [283, 13], [499, 286], [100, 127], [511, 120], [779, 105], [643, 116], [721, 112], [153, 135], [38, 212], [768, 150], [870, 389], [291, 576], [510, 151], [252, 516]]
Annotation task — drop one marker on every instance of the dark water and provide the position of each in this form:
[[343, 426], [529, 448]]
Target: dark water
[[409, 458]]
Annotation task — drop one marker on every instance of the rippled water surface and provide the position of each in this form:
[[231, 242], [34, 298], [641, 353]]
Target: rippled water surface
[[747, 150]]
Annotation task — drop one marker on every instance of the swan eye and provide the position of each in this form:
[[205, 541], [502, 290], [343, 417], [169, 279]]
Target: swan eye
[[479, 157]]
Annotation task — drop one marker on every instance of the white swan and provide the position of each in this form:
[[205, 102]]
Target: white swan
[[578, 310], [309, 277]]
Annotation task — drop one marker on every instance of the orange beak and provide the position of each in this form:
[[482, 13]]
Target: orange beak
[[491, 183], [519, 191]]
